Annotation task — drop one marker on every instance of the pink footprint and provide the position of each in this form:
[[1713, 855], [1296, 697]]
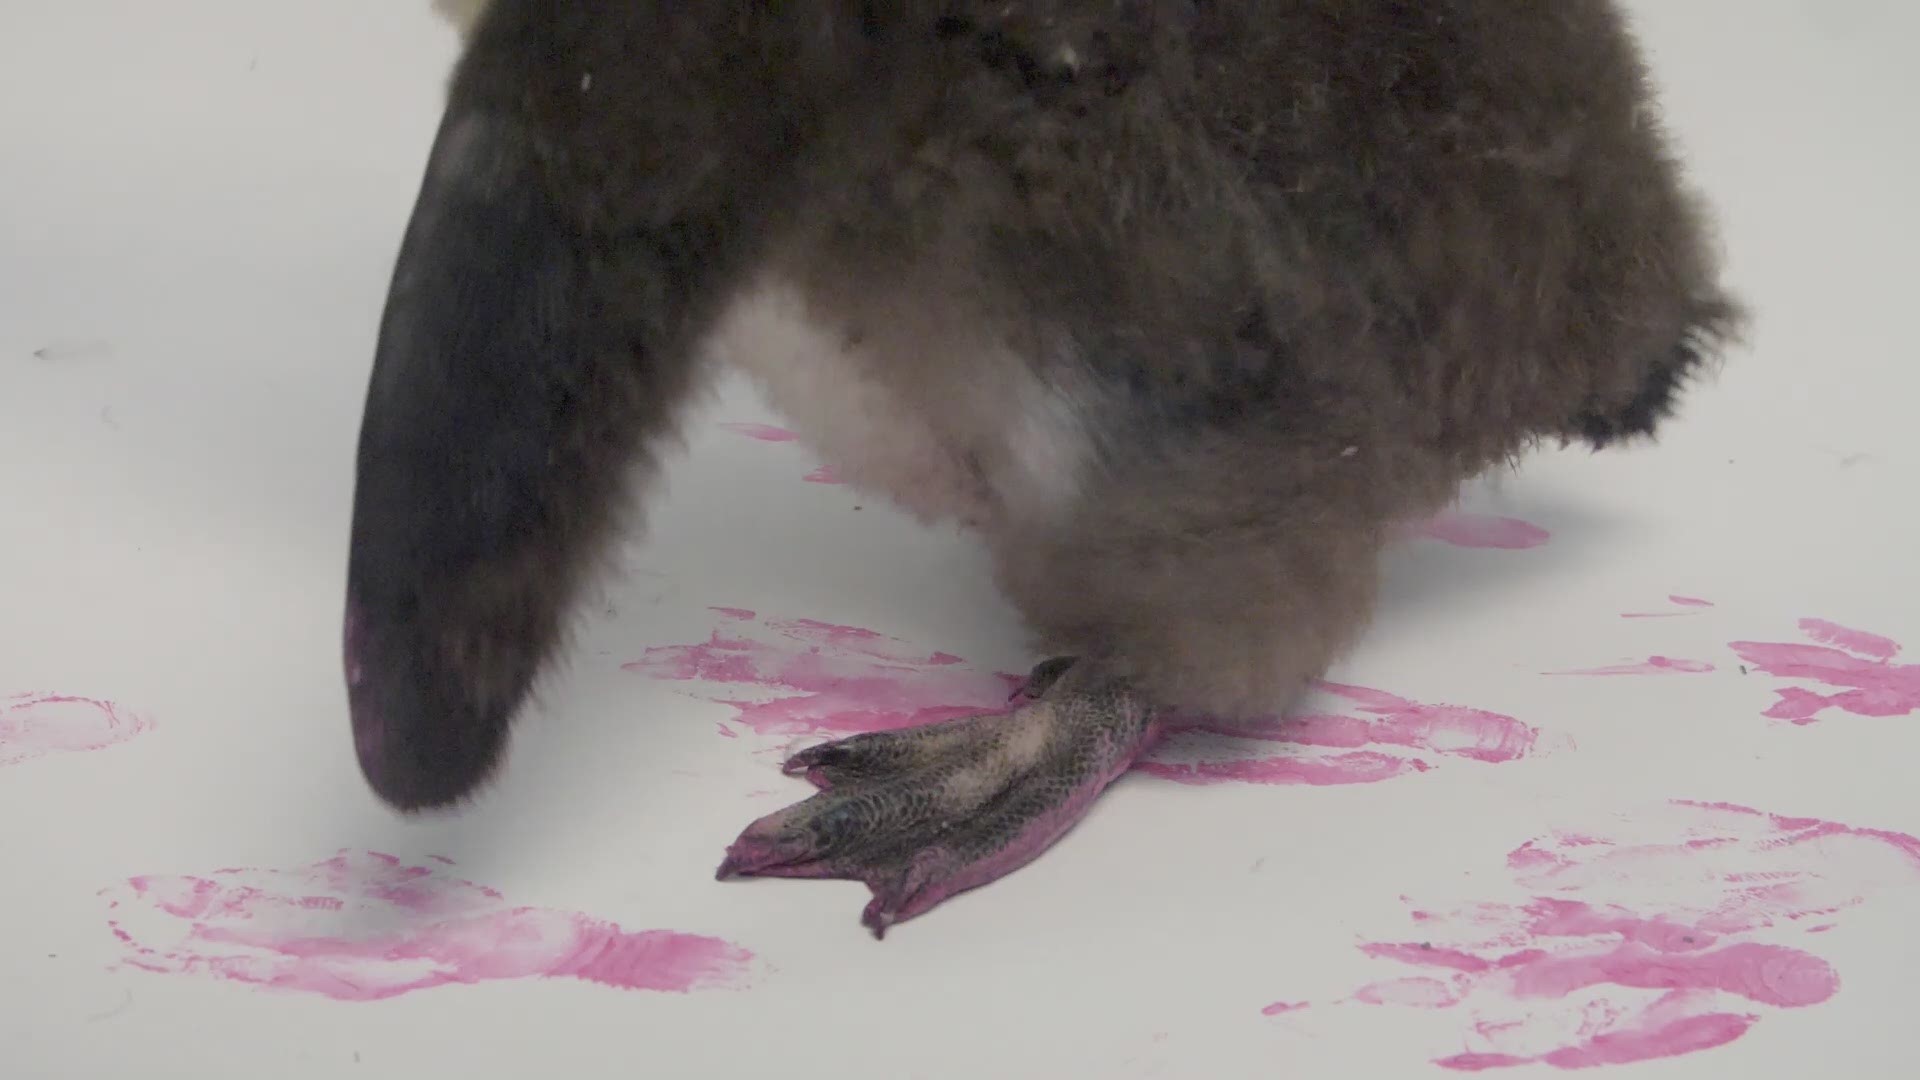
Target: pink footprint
[[1662, 937], [799, 677], [365, 926], [1860, 665], [35, 725]]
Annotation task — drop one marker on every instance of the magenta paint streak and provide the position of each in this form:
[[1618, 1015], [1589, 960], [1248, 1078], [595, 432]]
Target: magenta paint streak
[[762, 432], [1381, 736], [35, 725], [802, 677], [1857, 664], [366, 927], [1687, 605], [1653, 665], [1281, 1008], [825, 474], [1480, 531], [1669, 935]]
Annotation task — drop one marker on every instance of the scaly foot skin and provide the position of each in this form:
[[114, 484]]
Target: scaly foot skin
[[923, 814]]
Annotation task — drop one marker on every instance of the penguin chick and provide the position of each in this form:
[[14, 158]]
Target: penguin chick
[[463, 14], [1178, 305]]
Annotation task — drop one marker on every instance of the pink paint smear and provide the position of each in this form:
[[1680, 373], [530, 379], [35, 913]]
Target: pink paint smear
[[1377, 736], [825, 474], [1682, 606], [762, 432], [802, 677], [1858, 665], [798, 677], [1466, 530], [1653, 665], [35, 725], [366, 927], [1666, 936]]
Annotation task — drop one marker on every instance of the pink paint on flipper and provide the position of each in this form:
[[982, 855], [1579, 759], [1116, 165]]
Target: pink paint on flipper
[[1858, 664], [35, 725], [762, 432], [825, 474], [1667, 935], [366, 927], [1390, 736], [1653, 665], [1480, 531]]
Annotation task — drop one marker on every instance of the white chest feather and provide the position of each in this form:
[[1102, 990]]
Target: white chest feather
[[948, 430]]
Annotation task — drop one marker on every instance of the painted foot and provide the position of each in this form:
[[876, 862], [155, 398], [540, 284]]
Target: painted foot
[[922, 814]]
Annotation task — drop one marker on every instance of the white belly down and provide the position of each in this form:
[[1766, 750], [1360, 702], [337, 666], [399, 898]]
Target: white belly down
[[947, 437]]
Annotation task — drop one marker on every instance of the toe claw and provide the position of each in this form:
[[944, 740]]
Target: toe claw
[[876, 918], [1043, 676], [883, 910], [810, 758], [752, 856]]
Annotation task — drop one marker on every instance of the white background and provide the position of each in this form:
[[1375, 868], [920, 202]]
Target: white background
[[199, 206]]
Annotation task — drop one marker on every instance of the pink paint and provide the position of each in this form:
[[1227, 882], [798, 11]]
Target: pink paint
[[35, 725], [825, 474], [1384, 736], [1426, 955], [1653, 665], [1331, 770], [1420, 992], [1858, 664], [1479, 531], [762, 432], [816, 679], [366, 927], [1281, 1008], [1670, 934], [1688, 1034], [1688, 605]]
